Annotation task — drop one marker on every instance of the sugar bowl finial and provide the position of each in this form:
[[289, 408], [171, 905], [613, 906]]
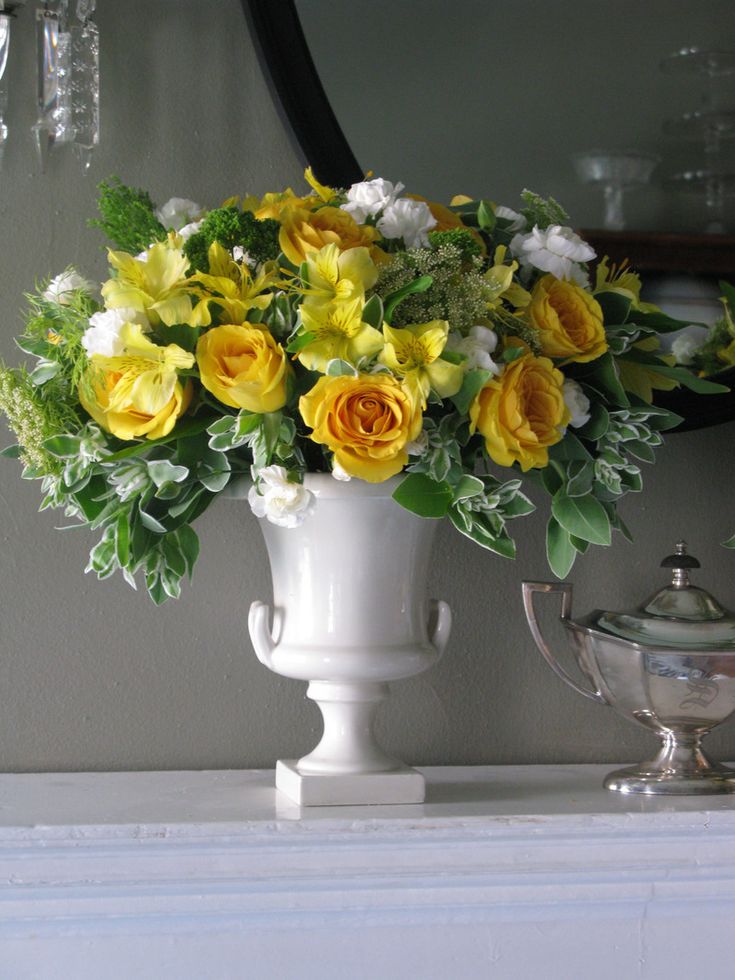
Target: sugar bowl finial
[[680, 562]]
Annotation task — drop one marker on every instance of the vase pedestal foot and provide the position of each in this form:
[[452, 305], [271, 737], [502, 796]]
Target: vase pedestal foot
[[403, 785]]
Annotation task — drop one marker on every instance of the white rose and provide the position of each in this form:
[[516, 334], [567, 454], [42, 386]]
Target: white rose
[[555, 249], [177, 212], [577, 403], [103, 334], [517, 221], [188, 230], [280, 501], [409, 220], [369, 197], [61, 287], [477, 348]]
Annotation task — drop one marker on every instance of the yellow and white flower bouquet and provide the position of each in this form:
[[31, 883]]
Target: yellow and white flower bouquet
[[363, 332]]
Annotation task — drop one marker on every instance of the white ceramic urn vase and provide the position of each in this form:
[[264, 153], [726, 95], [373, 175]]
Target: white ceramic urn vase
[[349, 615]]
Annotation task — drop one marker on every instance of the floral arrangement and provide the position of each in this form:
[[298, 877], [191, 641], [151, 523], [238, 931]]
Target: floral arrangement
[[710, 350], [365, 332]]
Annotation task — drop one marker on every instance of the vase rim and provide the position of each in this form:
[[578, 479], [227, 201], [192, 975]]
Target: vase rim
[[325, 485]]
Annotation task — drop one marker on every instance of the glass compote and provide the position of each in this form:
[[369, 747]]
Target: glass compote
[[616, 171]]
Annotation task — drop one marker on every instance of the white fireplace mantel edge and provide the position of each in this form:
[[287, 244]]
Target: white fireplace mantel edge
[[529, 870]]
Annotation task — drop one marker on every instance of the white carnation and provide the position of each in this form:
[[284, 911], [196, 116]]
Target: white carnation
[[369, 197], [577, 403], [409, 220], [477, 348], [103, 334], [178, 212], [280, 501], [61, 287], [687, 343], [190, 229], [555, 249]]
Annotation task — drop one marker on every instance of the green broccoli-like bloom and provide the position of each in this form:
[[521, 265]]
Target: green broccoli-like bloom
[[459, 238], [128, 217], [230, 227]]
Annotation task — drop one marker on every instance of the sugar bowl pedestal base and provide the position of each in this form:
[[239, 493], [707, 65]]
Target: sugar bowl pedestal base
[[680, 769]]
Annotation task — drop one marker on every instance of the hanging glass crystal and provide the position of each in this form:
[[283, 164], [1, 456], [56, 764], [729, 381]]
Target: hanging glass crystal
[[85, 82], [4, 47], [54, 125]]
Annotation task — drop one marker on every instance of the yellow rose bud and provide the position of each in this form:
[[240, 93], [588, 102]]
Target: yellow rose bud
[[116, 405], [303, 232], [366, 421], [522, 412], [243, 367], [569, 320]]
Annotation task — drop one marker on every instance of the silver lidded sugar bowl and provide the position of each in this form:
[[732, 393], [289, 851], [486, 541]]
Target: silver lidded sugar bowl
[[668, 665]]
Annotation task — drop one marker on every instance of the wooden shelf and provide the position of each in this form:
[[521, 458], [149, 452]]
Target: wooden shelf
[[654, 251]]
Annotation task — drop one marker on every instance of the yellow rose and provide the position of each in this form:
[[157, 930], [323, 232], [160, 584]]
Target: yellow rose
[[303, 232], [366, 421], [244, 367], [520, 413], [569, 320], [126, 417]]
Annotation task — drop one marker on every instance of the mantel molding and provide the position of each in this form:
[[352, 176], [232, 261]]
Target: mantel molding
[[185, 866]]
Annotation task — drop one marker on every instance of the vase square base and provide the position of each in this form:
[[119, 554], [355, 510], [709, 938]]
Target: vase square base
[[349, 789]]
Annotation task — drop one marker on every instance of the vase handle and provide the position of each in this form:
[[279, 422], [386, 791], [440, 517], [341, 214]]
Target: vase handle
[[440, 624], [261, 634], [564, 589]]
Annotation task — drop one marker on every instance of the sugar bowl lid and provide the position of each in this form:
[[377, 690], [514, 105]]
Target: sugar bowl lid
[[679, 615]]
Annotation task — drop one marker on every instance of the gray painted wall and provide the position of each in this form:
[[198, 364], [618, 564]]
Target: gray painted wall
[[92, 676]]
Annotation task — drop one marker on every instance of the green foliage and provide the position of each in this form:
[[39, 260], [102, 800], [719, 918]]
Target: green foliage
[[230, 227], [424, 496], [542, 211], [127, 216]]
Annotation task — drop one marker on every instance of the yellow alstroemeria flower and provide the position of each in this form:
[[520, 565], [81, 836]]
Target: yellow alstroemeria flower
[[414, 353], [336, 276], [231, 286], [339, 332], [327, 194], [137, 393], [271, 205], [499, 277], [156, 286], [643, 379], [727, 354], [621, 279]]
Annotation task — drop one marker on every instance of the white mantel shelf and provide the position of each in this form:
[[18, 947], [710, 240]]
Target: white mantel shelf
[[505, 872]]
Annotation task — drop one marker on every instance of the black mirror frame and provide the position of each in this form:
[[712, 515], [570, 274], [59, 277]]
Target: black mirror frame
[[286, 62], [319, 142]]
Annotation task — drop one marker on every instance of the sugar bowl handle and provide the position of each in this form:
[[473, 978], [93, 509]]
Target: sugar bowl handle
[[565, 590]]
